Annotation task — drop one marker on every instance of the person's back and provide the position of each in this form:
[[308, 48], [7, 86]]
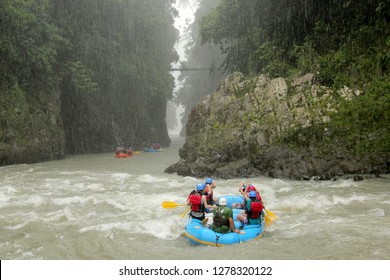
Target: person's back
[[254, 208], [221, 216], [198, 202]]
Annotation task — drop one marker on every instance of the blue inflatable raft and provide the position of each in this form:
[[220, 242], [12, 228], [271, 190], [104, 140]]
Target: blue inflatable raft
[[198, 234], [152, 150]]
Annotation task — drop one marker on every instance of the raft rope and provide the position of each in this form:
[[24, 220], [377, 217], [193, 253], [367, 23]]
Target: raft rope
[[216, 239]]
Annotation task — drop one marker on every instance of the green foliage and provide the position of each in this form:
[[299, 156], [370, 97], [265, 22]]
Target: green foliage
[[345, 43], [360, 126], [81, 77], [248, 85], [364, 123], [110, 60], [272, 36], [28, 45]]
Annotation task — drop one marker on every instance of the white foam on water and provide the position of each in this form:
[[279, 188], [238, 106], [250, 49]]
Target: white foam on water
[[27, 254], [377, 212], [95, 187], [107, 227], [277, 183], [339, 200], [344, 184], [117, 204], [21, 219], [147, 178], [338, 220], [35, 200], [17, 226], [54, 181], [74, 200], [121, 176], [73, 173], [28, 200], [167, 229], [3, 199], [63, 215], [8, 189], [310, 201], [284, 190]]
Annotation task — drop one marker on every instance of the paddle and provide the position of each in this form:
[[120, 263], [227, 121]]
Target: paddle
[[171, 204], [272, 215], [184, 213], [269, 217]]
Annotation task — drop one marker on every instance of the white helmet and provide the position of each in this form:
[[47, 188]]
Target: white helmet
[[222, 201]]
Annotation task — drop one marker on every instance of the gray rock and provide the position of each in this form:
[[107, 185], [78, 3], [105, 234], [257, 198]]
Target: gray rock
[[235, 132]]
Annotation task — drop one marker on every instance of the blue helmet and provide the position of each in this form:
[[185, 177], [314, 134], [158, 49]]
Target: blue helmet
[[209, 181], [252, 194], [200, 186]]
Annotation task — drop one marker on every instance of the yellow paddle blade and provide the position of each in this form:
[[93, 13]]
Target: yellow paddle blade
[[184, 213], [269, 218], [171, 204], [271, 215], [268, 221]]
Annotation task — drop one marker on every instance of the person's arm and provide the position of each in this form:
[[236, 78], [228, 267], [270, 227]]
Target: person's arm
[[213, 186], [232, 227], [241, 188], [245, 194], [206, 205]]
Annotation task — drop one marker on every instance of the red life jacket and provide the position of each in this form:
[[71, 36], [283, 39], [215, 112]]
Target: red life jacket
[[256, 208], [196, 202], [250, 188]]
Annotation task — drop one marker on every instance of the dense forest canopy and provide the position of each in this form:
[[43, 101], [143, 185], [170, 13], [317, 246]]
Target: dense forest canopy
[[275, 35], [109, 59]]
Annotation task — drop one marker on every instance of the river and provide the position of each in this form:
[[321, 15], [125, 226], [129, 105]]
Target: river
[[99, 207]]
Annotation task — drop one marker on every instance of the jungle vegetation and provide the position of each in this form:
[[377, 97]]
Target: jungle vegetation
[[344, 42], [109, 59]]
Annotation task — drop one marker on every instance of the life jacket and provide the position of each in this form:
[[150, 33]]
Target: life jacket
[[250, 188], [196, 202], [256, 207], [219, 219]]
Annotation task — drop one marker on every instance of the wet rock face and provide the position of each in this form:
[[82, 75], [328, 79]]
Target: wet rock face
[[234, 132], [31, 128]]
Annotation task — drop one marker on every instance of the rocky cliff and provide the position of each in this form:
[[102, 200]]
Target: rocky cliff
[[30, 127], [237, 132], [38, 126]]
